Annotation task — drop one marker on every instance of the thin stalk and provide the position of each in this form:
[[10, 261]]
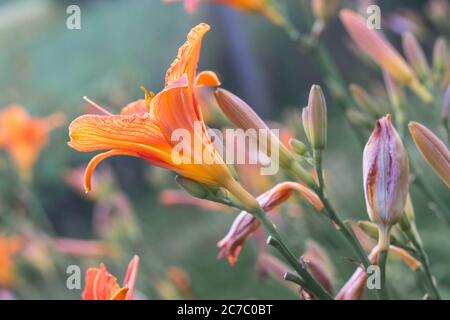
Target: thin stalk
[[383, 245], [280, 244], [413, 236], [382, 258], [333, 216]]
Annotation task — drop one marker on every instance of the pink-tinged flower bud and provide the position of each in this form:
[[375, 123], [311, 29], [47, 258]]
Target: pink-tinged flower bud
[[381, 51], [415, 55], [432, 149], [315, 118], [246, 224], [385, 173], [440, 56]]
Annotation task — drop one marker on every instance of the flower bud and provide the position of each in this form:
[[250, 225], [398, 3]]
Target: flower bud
[[432, 149], [298, 147], [415, 55], [440, 56], [243, 116], [192, 187], [364, 101], [315, 118], [382, 52], [385, 173]]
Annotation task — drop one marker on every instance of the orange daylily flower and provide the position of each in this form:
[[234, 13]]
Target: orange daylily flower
[[23, 136], [9, 246], [266, 8], [101, 285], [144, 128]]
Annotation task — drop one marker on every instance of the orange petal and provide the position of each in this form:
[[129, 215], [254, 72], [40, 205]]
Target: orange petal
[[282, 191], [126, 132], [120, 294], [100, 284], [207, 78], [188, 55], [130, 277], [95, 162]]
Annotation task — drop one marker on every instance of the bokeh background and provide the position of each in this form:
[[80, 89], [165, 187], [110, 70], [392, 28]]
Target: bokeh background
[[122, 45]]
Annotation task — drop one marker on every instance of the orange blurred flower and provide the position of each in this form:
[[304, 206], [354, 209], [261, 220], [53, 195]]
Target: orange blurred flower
[[267, 8], [144, 128], [246, 224], [23, 136], [9, 246], [101, 285]]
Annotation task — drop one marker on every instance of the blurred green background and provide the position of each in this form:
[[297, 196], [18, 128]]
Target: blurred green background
[[125, 44]]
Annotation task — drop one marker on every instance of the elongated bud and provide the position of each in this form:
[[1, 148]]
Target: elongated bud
[[415, 55], [243, 116], [192, 187], [364, 101], [385, 173], [358, 118], [440, 56], [432, 149], [381, 52], [298, 147], [315, 118]]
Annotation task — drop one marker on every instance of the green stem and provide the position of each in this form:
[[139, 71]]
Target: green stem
[[382, 258], [332, 215], [412, 235], [310, 283]]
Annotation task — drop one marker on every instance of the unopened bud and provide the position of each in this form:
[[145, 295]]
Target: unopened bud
[[385, 172], [432, 149], [315, 118]]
